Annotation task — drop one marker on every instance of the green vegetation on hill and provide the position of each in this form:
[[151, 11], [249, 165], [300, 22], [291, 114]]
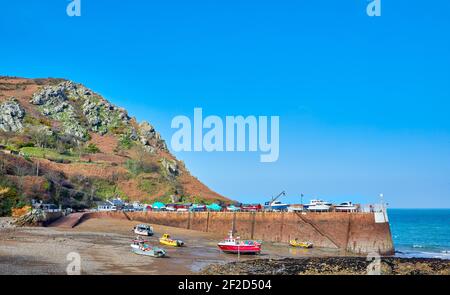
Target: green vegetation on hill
[[125, 142], [104, 189], [152, 185], [9, 198], [148, 186], [47, 153], [92, 149]]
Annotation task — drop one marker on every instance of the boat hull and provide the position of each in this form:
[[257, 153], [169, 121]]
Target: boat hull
[[318, 208], [173, 243], [295, 209], [280, 207], [346, 209], [276, 207], [243, 249], [150, 252], [143, 233]]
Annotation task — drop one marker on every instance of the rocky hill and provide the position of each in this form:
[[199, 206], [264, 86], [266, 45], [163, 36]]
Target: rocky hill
[[64, 143]]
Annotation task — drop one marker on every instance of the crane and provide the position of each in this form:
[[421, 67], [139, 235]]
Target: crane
[[268, 205], [283, 193]]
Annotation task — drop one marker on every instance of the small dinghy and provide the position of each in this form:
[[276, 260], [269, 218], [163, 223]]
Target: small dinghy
[[166, 240], [300, 244], [140, 246], [143, 230]]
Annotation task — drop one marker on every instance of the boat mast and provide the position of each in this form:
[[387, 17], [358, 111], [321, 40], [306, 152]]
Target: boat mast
[[383, 208]]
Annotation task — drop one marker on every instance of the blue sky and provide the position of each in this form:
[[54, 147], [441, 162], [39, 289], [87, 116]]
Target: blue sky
[[363, 102]]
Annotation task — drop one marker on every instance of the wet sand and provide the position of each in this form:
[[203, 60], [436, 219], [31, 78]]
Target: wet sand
[[104, 247]]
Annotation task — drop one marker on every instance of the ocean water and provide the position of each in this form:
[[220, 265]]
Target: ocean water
[[421, 232]]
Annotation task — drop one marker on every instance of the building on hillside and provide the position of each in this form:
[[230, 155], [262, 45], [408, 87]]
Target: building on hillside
[[106, 206]]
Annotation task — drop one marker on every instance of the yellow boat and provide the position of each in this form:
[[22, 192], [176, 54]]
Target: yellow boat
[[297, 243], [166, 240]]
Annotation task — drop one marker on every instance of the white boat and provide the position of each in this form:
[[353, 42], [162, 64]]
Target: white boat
[[143, 230], [318, 206], [137, 242], [141, 247], [346, 207], [276, 206]]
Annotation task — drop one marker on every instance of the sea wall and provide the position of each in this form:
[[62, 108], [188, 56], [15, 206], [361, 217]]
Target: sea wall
[[352, 232]]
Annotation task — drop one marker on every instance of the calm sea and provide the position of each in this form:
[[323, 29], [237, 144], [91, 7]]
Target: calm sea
[[421, 232]]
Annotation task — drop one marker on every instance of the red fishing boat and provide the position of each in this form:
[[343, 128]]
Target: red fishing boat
[[238, 246]]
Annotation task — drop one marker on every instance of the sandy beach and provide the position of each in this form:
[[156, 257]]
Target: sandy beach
[[103, 245]]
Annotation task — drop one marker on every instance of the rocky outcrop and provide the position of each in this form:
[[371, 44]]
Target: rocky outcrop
[[38, 218], [53, 96], [101, 115], [53, 102], [11, 116], [150, 138], [80, 110]]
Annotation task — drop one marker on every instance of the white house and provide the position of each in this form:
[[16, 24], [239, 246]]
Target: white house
[[106, 206]]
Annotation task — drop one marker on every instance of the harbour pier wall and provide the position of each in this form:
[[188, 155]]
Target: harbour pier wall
[[358, 233]]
